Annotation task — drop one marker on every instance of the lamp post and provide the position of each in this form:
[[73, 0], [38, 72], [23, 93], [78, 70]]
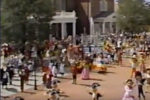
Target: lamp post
[[34, 57], [34, 54], [35, 67]]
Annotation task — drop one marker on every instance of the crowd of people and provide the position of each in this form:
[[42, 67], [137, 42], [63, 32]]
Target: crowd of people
[[56, 58]]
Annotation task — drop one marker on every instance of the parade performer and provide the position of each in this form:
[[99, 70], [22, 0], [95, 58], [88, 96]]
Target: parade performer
[[99, 64], [95, 94], [44, 78], [142, 63], [147, 80], [54, 92], [134, 62], [140, 83], [74, 71], [55, 84], [54, 70], [70, 51], [54, 95], [85, 72], [49, 77], [129, 90], [120, 56], [108, 47]]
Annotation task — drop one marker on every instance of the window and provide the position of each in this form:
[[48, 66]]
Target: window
[[103, 5]]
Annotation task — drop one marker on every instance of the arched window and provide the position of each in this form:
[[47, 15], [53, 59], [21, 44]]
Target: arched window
[[103, 5]]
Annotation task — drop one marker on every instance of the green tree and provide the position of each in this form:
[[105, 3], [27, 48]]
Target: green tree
[[17, 24], [132, 16]]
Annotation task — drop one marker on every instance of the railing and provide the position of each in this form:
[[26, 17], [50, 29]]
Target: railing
[[94, 39]]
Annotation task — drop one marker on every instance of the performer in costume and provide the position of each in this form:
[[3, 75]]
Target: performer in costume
[[86, 71], [129, 90], [134, 62], [95, 94], [54, 92], [55, 70], [74, 71], [54, 95], [120, 56], [140, 82], [49, 77], [142, 63], [99, 63]]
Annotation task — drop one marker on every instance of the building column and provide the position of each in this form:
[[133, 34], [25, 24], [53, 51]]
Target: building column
[[74, 32], [110, 27], [103, 27], [62, 31], [65, 30], [116, 27]]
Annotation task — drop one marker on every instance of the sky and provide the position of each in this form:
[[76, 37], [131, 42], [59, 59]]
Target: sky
[[148, 0], [145, 0]]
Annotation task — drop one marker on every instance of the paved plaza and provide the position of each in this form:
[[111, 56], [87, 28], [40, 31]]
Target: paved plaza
[[112, 86]]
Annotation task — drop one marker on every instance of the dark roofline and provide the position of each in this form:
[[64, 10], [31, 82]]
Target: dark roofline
[[103, 14]]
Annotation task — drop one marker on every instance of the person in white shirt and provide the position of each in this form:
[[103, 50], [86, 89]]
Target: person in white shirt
[[54, 70], [62, 68]]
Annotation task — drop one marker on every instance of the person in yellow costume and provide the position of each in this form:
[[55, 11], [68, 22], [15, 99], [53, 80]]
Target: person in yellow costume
[[108, 46], [134, 64], [142, 63]]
